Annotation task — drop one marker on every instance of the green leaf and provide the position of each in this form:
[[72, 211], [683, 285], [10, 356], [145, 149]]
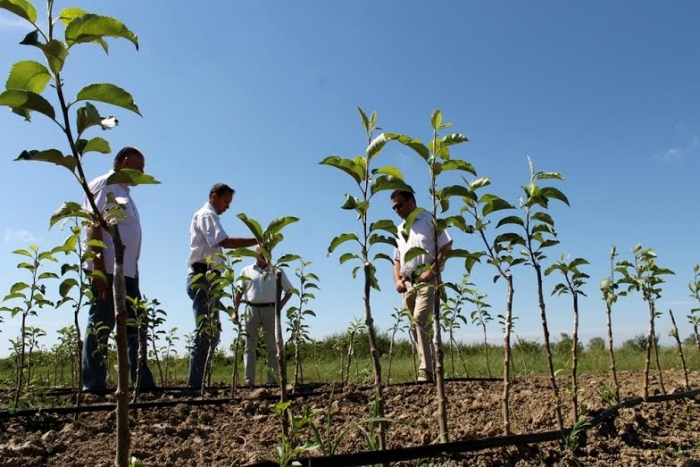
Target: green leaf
[[69, 14], [23, 252], [436, 119], [55, 53], [375, 238], [383, 224], [365, 120], [278, 224], [340, 239], [511, 220], [551, 192], [253, 226], [510, 238], [87, 116], [457, 164], [493, 203], [28, 75], [69, 210], [457, 221], [388, 182], [549, 176], [93, 28], [50, 155], [384, 256], [18, 287], [95, 144], [27, 101], [349, 166], [454, 190], [351, 202], [288, 258], [109, 94], [131, 177], [47, 275], [347, 256], [413, 253], [414, 144], [479, 183], [393, 171], [543, 217], [376, 146], [21, 8], [451, 140], [66, 286]]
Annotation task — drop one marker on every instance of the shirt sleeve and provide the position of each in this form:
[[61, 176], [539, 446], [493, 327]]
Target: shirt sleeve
[[444, 239], [286, 285], [212, 230]]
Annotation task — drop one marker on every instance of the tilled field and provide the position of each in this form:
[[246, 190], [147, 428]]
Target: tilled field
[[246, 431]]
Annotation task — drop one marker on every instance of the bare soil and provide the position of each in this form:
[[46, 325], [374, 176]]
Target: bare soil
[[246, 431]]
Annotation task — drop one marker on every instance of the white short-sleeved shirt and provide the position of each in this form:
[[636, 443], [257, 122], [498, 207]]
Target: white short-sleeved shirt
[[129, 226], [421, 235], [260, 284], [206, 233]]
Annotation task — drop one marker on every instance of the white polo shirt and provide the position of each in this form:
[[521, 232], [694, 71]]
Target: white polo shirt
[[421, 235], [260, 284], [129, 226], [206, 233]]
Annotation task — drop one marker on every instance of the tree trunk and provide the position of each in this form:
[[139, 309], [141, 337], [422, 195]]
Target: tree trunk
[[121, 315], [281, 364], [507, 356], [439, 369], [647, 362], [486, 352], [680, 350], [369, 321], [656, 356], [611, 351], [574, 358], [548, 349], [236, 353]]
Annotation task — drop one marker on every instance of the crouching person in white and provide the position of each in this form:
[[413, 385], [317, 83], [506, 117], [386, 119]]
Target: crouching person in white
[[258, 287]]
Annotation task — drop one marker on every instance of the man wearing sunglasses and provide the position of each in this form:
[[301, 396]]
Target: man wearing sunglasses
[[416, 279]]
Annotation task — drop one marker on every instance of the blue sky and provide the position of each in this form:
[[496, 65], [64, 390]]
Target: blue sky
[[255, 94]]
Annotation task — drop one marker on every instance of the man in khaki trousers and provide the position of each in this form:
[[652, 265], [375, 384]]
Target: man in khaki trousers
[[416, 279]]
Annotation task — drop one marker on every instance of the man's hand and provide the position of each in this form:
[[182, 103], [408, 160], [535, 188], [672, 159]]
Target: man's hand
[[400, 286], [427, 276], [100, 285], [233, 310]]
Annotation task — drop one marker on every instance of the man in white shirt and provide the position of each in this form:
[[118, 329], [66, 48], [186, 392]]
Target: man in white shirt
[[416, 282], [258, 285], [101, 318], [207, 239]]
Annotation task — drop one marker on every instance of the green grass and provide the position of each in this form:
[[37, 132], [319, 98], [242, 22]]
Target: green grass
[[324, 363]]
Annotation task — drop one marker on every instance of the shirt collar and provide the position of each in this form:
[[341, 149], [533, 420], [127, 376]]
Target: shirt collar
[[210, 208]]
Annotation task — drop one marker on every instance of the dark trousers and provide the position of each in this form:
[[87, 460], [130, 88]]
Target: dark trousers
[[101, 322], [206, 333]]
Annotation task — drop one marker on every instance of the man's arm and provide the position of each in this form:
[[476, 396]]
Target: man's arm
[[236, 304], [398, 280], [238, 242], [432, 272], [286, 298]]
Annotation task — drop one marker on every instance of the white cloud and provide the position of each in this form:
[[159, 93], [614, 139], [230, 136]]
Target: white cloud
[[23, 236], [672, 154], [14, 23]]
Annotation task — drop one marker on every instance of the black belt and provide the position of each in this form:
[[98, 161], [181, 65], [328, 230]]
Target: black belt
[[262, 305], [202, 268]]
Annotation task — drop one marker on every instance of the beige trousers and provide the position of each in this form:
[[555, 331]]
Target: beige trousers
[[420, 301]]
